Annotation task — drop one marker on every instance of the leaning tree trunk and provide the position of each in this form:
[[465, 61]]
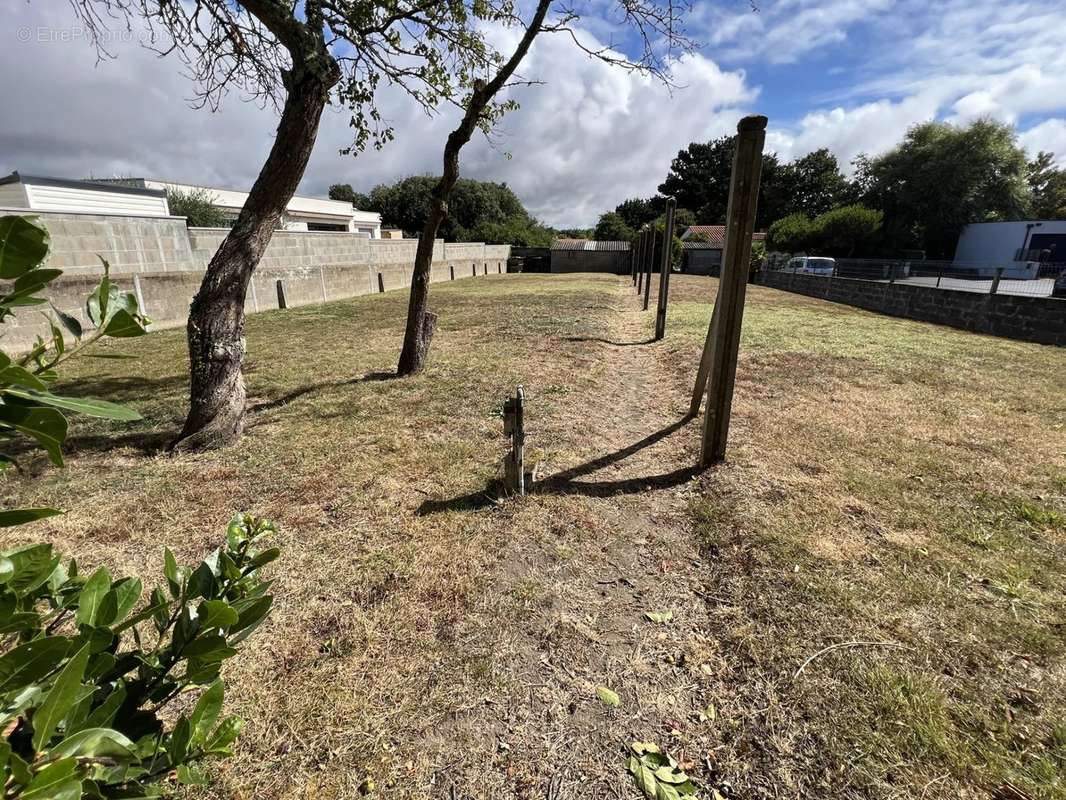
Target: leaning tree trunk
[[216, 319], [421, 324]]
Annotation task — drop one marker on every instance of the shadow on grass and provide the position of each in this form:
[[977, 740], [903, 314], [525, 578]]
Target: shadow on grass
[[303, 391], [119, 387], [606, 341], [147, 443], [565, 482]]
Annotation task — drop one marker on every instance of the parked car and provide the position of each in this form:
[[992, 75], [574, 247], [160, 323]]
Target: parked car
[[812, 265], [1059, 287]]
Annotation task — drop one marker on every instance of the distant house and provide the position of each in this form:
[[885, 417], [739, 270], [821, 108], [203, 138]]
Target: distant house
[[586, 255], [146, 197], [702, 246]]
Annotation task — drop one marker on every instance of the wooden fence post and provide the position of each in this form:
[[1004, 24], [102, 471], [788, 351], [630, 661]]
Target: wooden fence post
[[381, 283], [650, 261], [723, 339], [664, 266], [641, 244], [281, 294]]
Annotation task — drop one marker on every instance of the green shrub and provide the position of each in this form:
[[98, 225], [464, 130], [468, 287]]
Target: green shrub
[[792, 234], [844, 231], [88, 670], [198, 207]]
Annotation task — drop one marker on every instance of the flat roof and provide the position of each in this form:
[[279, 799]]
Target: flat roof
[[44, 180]]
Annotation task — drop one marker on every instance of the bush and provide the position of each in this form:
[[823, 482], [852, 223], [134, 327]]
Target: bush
[[87, 670], [198, 207], [792, 234], [842, 231]]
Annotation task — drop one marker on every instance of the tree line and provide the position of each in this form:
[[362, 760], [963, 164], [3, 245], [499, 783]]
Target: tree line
[[918, 196]]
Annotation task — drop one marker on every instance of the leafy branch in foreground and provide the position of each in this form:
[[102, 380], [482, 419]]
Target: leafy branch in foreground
[[88, 670], [28, 407]]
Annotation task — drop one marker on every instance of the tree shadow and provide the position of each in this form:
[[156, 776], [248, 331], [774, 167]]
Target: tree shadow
[[601, 340], [147, 443], [564, 482], [312, 388], [124, 386]]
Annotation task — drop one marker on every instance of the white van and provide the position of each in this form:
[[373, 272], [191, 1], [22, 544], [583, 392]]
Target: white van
[[812, 265]]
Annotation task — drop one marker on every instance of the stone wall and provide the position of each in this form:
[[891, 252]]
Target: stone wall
[[1028, 319], [164, 262]]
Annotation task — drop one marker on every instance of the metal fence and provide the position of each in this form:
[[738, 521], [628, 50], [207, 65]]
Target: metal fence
[[1032, 279]]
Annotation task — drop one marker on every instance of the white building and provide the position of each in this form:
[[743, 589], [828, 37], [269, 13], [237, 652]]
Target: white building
[[1003, 243], [146, 197]]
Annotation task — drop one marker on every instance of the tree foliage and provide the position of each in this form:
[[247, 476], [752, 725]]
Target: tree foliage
[[942, 177], [843, 231], [612, 228], [345, 192], [1047, 182], [791, 234], [198, 207]]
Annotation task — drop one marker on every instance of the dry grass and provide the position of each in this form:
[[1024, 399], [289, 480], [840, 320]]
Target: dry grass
[[887, 481]]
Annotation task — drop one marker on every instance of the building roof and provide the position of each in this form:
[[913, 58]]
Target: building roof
[[117, 187], [715, 234], [589, 245], [699, 245]]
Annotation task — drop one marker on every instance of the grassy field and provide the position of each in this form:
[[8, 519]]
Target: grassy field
[[893, 504]]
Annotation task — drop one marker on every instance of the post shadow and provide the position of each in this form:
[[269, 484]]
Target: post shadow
[[565, 482]]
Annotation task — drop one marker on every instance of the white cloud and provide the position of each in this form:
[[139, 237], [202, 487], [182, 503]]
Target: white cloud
[[587, 139], [1049, 135]]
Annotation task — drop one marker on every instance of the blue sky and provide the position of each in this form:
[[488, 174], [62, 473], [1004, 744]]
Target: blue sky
[[850, 75]]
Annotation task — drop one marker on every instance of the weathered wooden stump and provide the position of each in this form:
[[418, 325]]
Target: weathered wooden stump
[[514, 426]]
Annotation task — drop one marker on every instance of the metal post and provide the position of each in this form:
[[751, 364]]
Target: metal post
[[650, 261], [939, 276], [281, 294], [724, 339], [664, 266], [995, 281]]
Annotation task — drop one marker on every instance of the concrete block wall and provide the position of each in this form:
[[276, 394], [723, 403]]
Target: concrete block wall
[[1028, 319], [165, 261]]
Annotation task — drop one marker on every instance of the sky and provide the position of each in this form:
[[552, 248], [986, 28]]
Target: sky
[[849, 75]]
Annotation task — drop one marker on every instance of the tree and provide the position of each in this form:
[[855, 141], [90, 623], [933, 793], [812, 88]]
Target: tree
[[637, 211], [1048, 186], [297, 54], [659, 28], [813, 184], [699, 178], [612, 228], [844, 231], [345, 192], [198, 207], [791, 234], [943, 177]]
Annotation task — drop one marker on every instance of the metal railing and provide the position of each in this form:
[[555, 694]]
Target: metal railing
[[1032, 279]]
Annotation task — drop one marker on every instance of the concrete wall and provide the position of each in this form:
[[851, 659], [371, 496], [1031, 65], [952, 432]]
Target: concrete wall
[[164, 262], [1028, 319]]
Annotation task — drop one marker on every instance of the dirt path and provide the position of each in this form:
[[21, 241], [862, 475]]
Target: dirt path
[[617, 542]]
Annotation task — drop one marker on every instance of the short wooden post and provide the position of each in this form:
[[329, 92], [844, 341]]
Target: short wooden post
[[514, 426], [499, 268], [723, 340], [451, 271], [381, 283], [281, 294], [664, 266], [649, 260], [473, 270]]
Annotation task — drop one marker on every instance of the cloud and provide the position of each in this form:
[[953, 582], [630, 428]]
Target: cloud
[[591, 136], [1049, 136]]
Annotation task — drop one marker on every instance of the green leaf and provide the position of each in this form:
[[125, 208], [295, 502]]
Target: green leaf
[[123, 325], [57, 781], [33, 566], [205, 714], [59, 700], [31, 661], [201, 582], [225, 734], [178, 746], [191, 775], [20, 516], [265, 557], [127, 593], [95, 743], [20, 376], [657, 775], [46, 425], [97, 303], [104, 714], [67, 321], [216, 614], [659, 617], [607, 697], [81, 405], [23, 245], [209, 649], [170, 570], [251, 618], [92, 596]]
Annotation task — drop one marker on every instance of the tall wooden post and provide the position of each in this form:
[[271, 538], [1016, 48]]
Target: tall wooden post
[[723, 341], [642, 244], [649, 260], [664, 266], [633, 261]]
